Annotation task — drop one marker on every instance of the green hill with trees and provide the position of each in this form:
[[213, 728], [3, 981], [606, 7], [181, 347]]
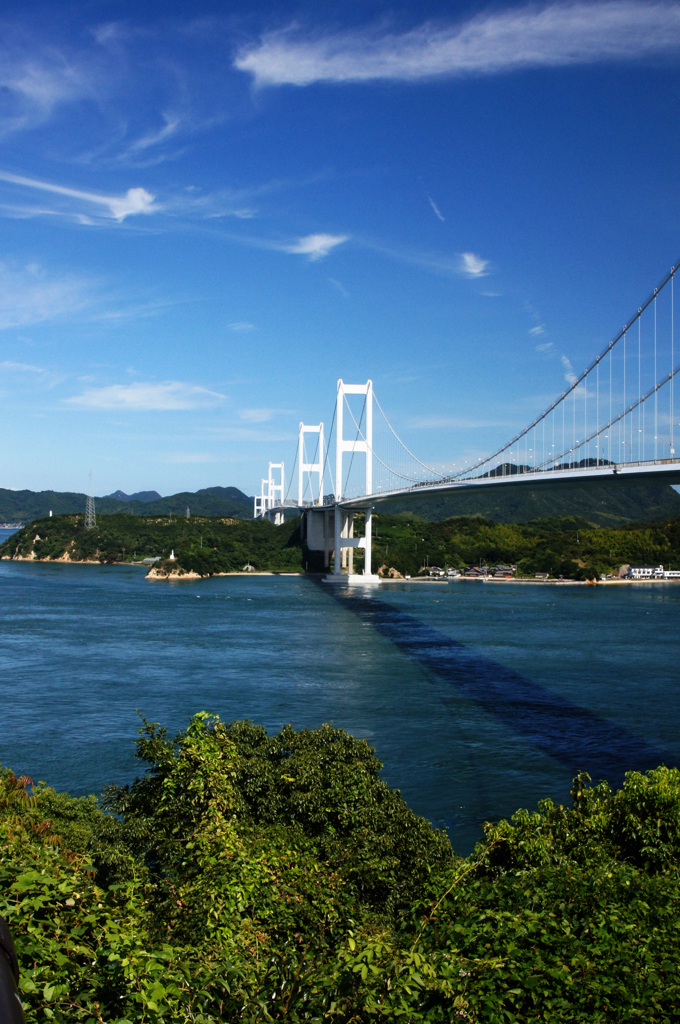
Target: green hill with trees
[[568, 546], [202, 544], [257, 878], [604, 505]]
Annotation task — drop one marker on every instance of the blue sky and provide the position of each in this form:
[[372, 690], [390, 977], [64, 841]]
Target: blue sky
[[210, 213]]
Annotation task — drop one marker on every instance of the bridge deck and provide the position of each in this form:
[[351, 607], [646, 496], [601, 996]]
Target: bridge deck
[[659, 471]]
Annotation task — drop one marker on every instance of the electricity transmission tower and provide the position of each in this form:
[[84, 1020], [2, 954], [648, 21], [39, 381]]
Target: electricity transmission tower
[[90, 517]]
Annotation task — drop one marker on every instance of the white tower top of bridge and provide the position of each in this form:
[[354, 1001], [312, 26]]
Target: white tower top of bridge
[[272, 491], [276, 488], [306, 467], [355, 445]]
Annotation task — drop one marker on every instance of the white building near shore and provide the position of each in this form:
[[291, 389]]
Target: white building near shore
[[652, 572], [645, 572]]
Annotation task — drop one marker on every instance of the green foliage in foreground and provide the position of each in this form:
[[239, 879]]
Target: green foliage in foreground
[[256, 878]]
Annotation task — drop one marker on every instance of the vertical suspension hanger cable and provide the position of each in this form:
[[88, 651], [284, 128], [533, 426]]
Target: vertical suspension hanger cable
[[609, 446], [641, 439], [585, 416], [553, 438], [597, 410], [292, 476], [656, 394], [624, 386], [671, 446], [573, 431], [328, 449], [632, 450]]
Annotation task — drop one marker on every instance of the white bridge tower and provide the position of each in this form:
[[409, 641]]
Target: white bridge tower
[[345, 541], [310, 467], [273, 491]]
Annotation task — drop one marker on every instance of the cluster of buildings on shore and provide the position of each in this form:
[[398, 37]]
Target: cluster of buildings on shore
[[498, 571], [650, 572], [627, 572]]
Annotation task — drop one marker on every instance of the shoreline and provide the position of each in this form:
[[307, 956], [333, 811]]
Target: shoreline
[[152, 574], [190, 576]]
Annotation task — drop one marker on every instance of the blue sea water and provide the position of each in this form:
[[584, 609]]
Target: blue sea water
[[478, 698]]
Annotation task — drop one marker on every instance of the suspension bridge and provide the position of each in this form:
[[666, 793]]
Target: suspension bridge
[[614, 424]]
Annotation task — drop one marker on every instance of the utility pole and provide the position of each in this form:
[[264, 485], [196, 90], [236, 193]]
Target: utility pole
[[90, 517]]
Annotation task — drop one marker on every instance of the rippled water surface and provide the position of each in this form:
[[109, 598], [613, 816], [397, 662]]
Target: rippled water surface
[[478, 698]]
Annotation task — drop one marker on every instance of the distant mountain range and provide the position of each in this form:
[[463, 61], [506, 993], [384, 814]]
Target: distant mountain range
[[137, 496], [603, 506], [25, 506]]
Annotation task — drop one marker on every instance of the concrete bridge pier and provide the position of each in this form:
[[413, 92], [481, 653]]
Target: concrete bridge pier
[[331, 530], [345, 542]]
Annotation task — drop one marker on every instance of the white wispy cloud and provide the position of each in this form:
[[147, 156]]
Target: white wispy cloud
[[31, 295], [241, 327], [24, 197], [537, 330], [533, 36], [134, 201], [437, 211], [340, 286], [156, 136], [27, 375], [144, 397], [465, 264], [35, 80], [110, 72], [544, 347], [7, 364], [569, 374], [472, 266], [256, 415], [315, 246]]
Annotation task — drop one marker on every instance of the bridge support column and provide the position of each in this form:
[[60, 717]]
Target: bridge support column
[[343, 520], [368, 538], [317, 531], [346, 542]]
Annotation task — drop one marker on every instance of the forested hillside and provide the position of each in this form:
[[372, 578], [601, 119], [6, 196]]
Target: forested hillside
[[208, 544], [601, 505], [569, 546]]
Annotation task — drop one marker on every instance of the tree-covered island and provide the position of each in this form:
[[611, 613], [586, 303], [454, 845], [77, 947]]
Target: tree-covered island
[[567, 546], [257, 878]]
